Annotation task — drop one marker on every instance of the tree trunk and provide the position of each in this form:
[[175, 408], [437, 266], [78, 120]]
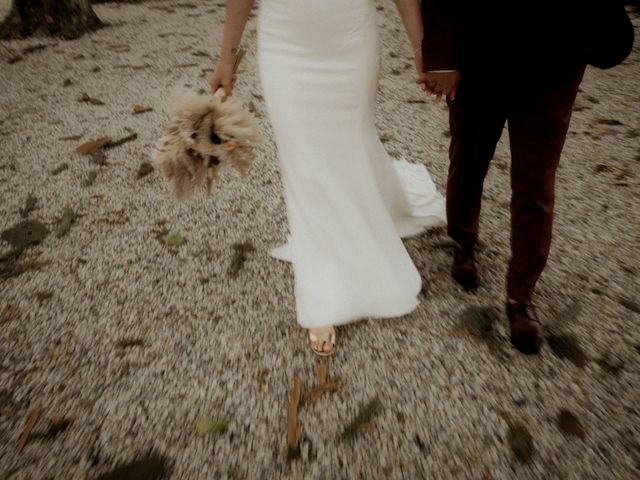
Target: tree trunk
[[68, 18]]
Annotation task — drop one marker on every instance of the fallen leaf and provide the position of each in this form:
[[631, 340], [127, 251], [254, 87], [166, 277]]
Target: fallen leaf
[[120, 48], [609, 121], [294, 430], [207, 426], [173, 239], [363, 418], [567, 346], [60, 168], [8, 313], [138, 109], [58, 425], [419, 442], [569, 424], [93, 145], [31, 422], [34, 48], [240, 256], [478, 321], [630, 305], [386, 137], [153, 467], [601, 129], [91, 177], [145, 169], [24, 234], [85, 98], [130, 342], [65, 222], [42, 296], [521, 442], [29, 206]]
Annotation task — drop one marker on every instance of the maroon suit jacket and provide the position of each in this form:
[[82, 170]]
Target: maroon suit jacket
[[530, 37]]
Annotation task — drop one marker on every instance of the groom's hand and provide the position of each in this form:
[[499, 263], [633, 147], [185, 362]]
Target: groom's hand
[[440, 83]]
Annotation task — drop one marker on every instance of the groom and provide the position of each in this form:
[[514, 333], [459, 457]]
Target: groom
[[500, 62]]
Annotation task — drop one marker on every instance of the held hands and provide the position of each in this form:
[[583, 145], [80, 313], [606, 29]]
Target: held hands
[[439, 83]]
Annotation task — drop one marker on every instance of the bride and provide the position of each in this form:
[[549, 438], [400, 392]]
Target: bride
[[348, 204]]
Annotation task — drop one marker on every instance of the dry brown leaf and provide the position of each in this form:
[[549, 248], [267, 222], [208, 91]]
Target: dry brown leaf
[[363, 419], [31, 422], [93, 145], [137, 109]]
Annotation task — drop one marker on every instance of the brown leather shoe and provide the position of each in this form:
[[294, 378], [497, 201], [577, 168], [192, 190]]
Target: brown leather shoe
[[527, 333], [465, 269]]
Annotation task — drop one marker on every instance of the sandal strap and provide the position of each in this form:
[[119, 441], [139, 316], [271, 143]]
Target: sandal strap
[[327, 337]]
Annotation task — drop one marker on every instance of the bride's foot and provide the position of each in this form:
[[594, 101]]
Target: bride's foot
[[322, 341]]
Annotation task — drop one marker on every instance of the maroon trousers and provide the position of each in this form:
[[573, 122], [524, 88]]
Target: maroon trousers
[[538, 118]]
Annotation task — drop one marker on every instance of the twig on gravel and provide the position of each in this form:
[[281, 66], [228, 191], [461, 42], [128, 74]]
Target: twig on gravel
[[323, 384], [31, 422], [117, 143], [71, 137], [168, 34], [133, 67], [293, 428]]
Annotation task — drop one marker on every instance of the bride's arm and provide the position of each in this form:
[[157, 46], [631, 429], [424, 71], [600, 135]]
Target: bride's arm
[[236, 19], [411, 15]]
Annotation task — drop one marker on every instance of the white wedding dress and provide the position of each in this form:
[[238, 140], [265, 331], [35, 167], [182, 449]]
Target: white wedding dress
[[348, 203]]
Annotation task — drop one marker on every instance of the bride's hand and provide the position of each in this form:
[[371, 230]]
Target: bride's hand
[[418, 60], [223, 76]]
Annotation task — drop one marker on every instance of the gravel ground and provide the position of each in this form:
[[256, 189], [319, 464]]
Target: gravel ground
[[132, 340]]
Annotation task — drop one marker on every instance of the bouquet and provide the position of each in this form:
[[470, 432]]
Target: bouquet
[[205, 134]]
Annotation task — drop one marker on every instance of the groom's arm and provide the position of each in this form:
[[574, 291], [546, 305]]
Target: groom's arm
[[438, 44]]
